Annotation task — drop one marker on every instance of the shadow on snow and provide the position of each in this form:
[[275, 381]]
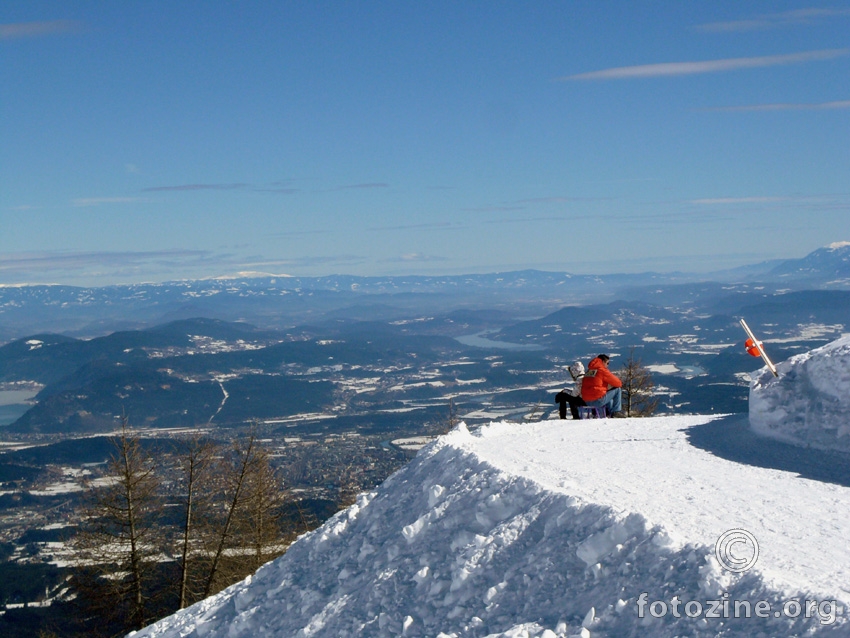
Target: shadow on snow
[[732, 439]]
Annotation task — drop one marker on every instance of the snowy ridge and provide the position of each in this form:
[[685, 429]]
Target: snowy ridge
[[550, 529]]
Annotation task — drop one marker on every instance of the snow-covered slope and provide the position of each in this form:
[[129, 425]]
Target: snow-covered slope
[[809, 403], [559, 528]]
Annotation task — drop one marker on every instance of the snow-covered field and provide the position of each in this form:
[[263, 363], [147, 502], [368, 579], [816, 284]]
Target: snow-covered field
[[558, 528]]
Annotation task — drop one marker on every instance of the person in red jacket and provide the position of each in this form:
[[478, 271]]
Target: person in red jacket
[[600, 388]]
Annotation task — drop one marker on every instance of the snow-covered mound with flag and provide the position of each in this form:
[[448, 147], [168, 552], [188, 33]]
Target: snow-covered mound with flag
[[559, 528], [809, 403]]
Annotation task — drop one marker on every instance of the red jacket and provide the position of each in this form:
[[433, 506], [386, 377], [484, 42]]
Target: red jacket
[[596, 381]]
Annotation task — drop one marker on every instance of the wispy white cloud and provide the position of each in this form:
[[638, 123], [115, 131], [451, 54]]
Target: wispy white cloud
[[427, 226], [708, 219], [717, 201], [775, 20], [275, 187], [84, 202], [668, 69], [303, 262], [281, 190], [38, 262], [558, 200], [531, 202], [363, 186], [492, 209], [413, 258], [284, 187], [815, 202], [300, 233], [195, 187], [821, 106], [19, 30], [551, 218]]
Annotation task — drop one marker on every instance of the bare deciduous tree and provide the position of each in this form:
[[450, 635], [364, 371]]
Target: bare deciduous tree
[[195, 463], [137, 564], [638, 387], [265, 496], [120, 540], [238, 472]]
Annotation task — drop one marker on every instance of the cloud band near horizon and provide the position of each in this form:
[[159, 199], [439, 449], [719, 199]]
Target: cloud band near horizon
[[65, 260]]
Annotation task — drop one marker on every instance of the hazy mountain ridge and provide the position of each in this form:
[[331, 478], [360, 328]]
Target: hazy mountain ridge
[[399, 352], [175, 375], [180, 375], [831, 261], [279, 301]]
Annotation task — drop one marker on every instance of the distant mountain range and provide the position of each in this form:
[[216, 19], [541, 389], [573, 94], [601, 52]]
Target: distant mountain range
[[280, 302], [359, 373]]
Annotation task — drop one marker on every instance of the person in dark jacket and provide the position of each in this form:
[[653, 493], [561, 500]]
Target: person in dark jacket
[[571, 397], [600, 388]]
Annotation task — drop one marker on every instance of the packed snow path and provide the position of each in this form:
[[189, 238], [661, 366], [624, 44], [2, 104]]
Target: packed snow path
[[647, 466], [556, 529]]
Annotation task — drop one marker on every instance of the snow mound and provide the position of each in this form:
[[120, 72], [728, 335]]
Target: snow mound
[[809, 403], [546, 530]]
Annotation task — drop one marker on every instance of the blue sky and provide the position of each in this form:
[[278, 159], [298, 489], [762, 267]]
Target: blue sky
[[150, 141]]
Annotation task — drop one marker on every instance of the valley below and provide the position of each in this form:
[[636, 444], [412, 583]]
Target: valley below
[[345, 399]]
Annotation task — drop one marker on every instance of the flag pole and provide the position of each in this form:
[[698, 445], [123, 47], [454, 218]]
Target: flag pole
[[758, 345]]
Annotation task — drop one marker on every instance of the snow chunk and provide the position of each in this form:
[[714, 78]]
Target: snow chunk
[[606, 542], [809, 403]]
